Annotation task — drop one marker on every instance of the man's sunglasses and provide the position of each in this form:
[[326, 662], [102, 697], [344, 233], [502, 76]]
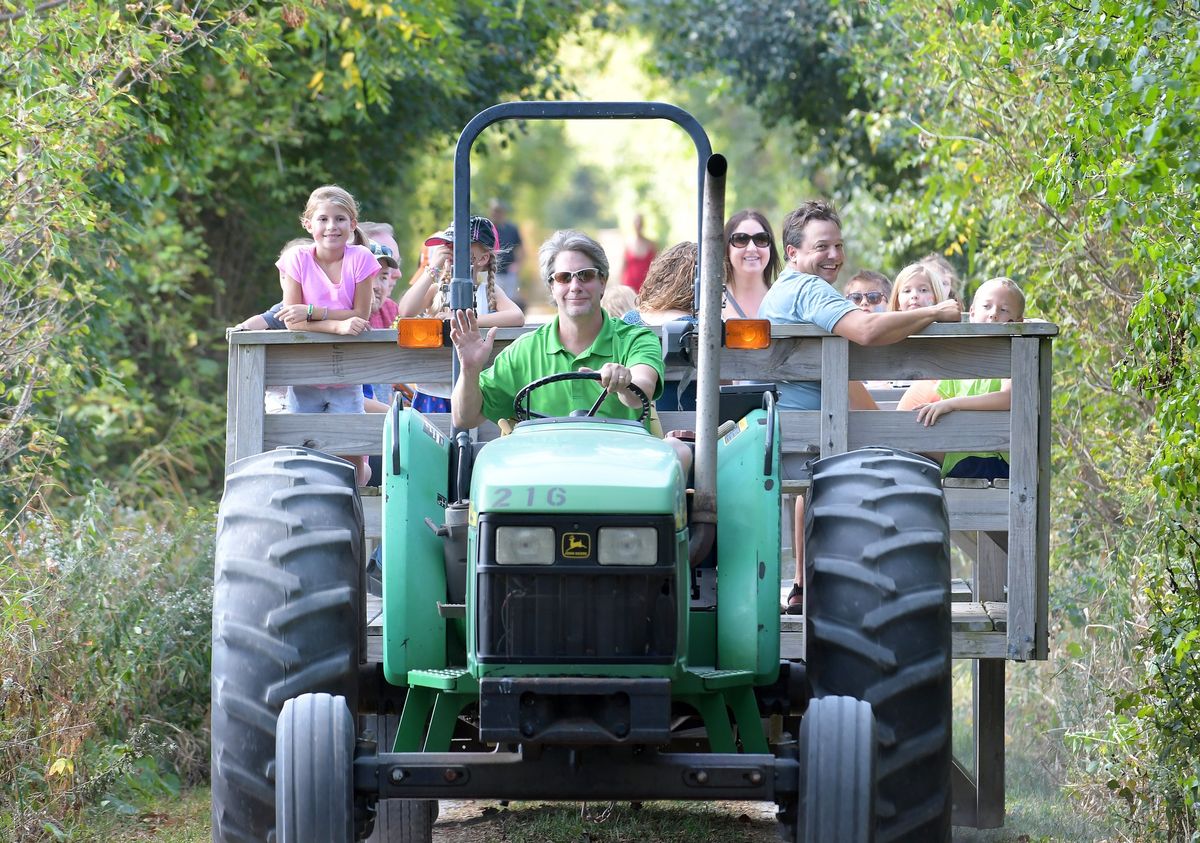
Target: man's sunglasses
[[585, 276], [872, 298], [740, 239]]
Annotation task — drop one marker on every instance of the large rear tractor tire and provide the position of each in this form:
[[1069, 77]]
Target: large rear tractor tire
[[314, 771], [878, 623], [286, 617], [837, 755]]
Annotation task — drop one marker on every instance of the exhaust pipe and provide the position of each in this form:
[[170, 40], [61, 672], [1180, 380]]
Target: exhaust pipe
[[708, 360]]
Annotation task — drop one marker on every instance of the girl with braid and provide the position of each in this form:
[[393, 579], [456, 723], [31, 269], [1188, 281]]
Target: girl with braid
[[429, 296]]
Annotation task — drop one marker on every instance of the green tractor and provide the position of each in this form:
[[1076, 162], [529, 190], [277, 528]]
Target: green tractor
[[562, 613]]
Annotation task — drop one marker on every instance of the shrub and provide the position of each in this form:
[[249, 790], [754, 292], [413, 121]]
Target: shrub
[[104, 642]]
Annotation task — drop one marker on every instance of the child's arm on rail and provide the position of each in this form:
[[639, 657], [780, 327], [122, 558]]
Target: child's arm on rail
[[928, 414], [507, 314]]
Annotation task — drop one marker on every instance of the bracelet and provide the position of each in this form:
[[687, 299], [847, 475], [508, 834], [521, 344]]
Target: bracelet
[[308, 318], [326, 316]]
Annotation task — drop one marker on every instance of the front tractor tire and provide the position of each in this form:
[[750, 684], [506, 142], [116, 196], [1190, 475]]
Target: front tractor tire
[[314, 764], [286, 617], [837, 755], [878, 623]]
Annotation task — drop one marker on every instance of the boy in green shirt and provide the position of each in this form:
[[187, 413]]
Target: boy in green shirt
[[998, 300]]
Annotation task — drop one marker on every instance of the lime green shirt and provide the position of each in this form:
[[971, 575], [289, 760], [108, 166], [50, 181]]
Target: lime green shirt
[[960, 389], [540, 353]]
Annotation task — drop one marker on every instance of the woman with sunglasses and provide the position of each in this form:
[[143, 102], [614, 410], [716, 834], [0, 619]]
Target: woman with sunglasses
[[751, 264]]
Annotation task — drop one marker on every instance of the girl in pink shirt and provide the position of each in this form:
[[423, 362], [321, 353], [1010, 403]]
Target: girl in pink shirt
[[327, 288]]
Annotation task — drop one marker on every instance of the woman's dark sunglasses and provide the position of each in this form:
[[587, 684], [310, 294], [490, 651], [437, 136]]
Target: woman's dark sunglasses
[[740, 239], [871, 297]]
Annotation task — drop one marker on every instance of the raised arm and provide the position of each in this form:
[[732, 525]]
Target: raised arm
[[474, 351]]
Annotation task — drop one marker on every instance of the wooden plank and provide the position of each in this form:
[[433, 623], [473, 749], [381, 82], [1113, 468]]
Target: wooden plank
[[969, 644], [965, 642], [383, 336], [991, 569], [344, 433], [988, 703], [1032, 328], [1042, 538], [247, 385], [971, 617], [975, 431], [997, 610], [932, 358], [372, 507], [964, 796], [345, 363], [835, 396], [960, 591], [784, 359], [231, 401], [1023, 496], [978, 509]]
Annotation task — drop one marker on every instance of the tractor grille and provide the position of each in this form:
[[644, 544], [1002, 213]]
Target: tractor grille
[[576, 611]]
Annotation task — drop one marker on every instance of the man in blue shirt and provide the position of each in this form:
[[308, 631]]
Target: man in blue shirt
[[804, 292]]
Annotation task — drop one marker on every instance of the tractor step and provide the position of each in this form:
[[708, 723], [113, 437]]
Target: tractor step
[[440, 679]]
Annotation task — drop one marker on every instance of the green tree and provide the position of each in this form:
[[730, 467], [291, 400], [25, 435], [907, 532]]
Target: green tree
[[158, 158]]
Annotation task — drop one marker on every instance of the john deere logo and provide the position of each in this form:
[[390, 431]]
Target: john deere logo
[[576, 545]]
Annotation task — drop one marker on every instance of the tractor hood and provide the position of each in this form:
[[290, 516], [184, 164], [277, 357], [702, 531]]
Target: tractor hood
[[592, 466]]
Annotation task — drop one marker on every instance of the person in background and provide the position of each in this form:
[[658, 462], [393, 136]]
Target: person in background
[[669, 294], [618, 300], [510, 251], [997, 301], [383, 234], [941, 271], [751, 264], [639, 253], [327, 288], [804, 293], [384, 309], [868, 291]]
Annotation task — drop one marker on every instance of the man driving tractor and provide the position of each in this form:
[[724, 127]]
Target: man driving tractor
[[580, 338]]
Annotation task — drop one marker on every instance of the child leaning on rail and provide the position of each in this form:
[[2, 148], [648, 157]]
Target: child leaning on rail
[[998, 300], [327, 288], [429, 293]]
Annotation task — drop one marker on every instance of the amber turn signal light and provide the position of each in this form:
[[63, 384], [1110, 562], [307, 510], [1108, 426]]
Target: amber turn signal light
[[419, 333], [747, 333]]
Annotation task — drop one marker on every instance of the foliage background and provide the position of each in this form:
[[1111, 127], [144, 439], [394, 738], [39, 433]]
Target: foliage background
[[154, 156]]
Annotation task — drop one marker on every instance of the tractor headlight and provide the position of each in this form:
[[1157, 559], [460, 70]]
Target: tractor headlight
[[525, 545], [628, 546]]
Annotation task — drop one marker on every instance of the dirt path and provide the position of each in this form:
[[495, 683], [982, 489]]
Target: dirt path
[[713, 822]]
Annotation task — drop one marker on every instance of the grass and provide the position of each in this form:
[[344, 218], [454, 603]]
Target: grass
[[184, 819]]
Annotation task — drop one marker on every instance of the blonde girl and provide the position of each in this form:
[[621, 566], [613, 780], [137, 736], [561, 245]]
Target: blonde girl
[[915, 287], [327, 288]]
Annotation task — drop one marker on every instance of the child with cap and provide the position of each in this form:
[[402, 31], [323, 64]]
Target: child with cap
[[383, 309], [428, 293], [430, 290]]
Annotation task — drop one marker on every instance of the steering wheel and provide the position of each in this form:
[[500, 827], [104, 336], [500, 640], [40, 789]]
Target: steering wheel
[[521, 401]]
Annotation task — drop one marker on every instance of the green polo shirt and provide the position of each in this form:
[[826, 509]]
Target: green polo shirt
[[539, 353]]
